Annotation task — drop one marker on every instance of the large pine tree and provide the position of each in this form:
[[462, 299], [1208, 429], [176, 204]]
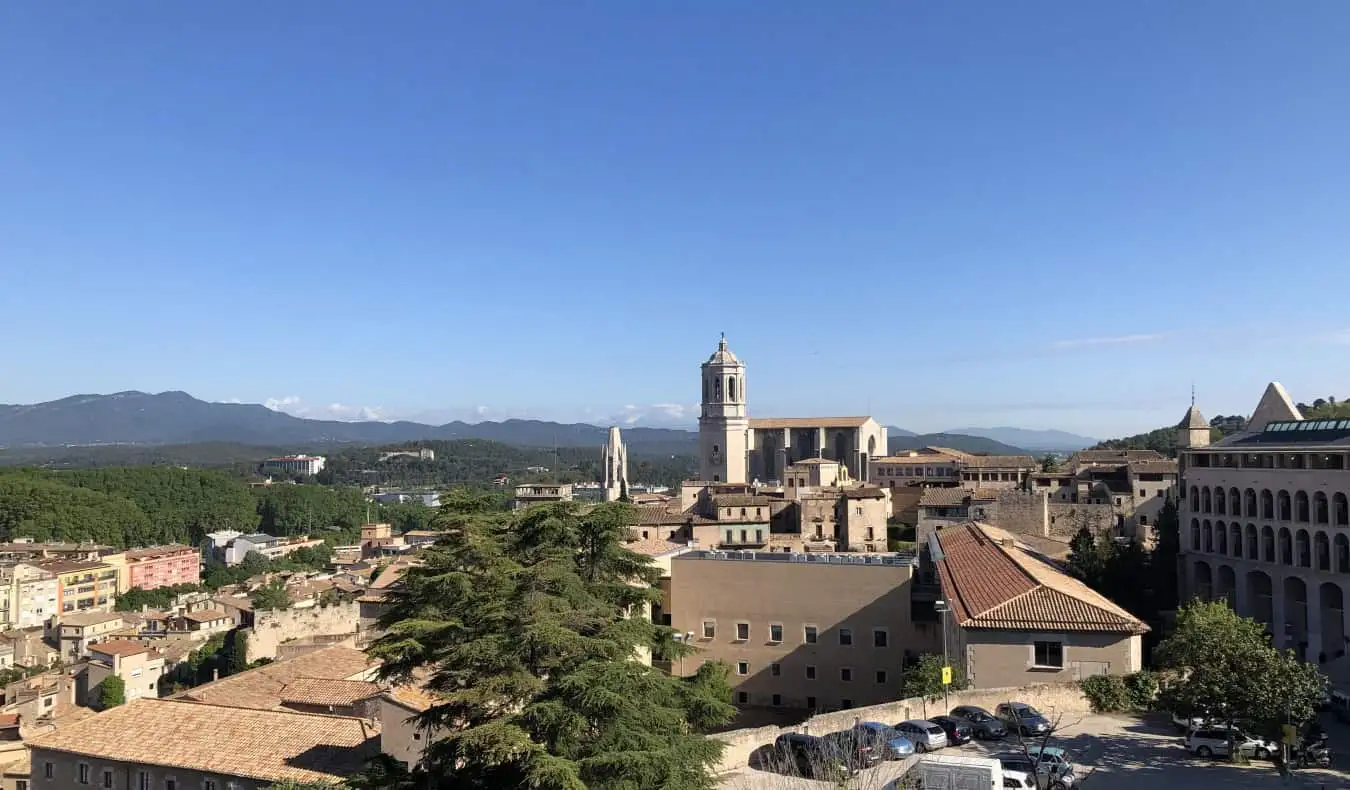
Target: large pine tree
[[527, 627]]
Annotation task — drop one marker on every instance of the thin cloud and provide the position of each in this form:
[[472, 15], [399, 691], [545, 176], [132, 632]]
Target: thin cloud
[[1118, 340], [1341, 337]]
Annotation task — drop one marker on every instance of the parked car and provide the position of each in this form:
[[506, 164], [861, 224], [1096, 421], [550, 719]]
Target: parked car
[[1187, 723], [858, 749], [1056, 774], [983, 724], [958, 732], [1210, 741], [1018, 779], [926, 735], [886, 740], [810, 757], [1054, 762], [1022, 719]]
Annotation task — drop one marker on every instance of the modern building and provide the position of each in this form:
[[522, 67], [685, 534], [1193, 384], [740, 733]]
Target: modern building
[[541, 493], [1012, 619], [421, 454], [805, 631], [423, 498], [29, 596], [733, 448], [83, 586], [614, 457], [1265, 524], [23, 549], [308, 465], [177, 745], [162, 566]]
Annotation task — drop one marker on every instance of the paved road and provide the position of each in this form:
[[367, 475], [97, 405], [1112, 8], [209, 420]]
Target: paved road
[[1123, 753]]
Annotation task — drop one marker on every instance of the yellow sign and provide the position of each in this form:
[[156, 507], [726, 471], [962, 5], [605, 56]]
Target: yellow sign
[[946, 676], [1291, 735]]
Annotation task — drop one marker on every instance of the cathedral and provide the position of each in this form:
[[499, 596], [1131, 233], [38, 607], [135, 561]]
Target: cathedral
[[736, 448]]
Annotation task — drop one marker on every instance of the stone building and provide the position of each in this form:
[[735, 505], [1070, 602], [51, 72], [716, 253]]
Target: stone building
[[614, 457]]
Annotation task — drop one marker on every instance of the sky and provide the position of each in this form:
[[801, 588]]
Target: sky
[[1046, 215]]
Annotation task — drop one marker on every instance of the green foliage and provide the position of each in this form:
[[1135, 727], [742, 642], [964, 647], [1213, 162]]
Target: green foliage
[[1227, 671], [271, 596], [1115, 570], [1049, 463], [1324, 409], [285, 510], [111, 692], [1141, 689], [236, 652], [159, 598], [1163, 560], [923, 678], [1106, 693], [529, 623]]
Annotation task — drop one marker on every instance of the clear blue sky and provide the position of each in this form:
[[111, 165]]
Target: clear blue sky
[[937, 213]]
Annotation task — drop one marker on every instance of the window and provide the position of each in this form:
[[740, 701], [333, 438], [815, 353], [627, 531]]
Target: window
[[777, 700], [107, 778], [170, 784], [742, 667], [1143, 521], [845, 704], [709, 629], [208, 784], [810, 671], [743, 697], [775, 669], [775, 632], [742, 632], [1048, 654], [881, 677], [82, 771], [1142, 493], [143, 780], [21, 784], [811, 703], [809, 634], [845, 636], [759, 536], [880, 637], [846, 674], [47, 769]]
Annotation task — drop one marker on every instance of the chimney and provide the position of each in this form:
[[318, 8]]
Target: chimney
[[215, 674], [1045, 514]]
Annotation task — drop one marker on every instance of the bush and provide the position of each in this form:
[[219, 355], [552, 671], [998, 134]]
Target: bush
[[1106, 693], [1141, 688]]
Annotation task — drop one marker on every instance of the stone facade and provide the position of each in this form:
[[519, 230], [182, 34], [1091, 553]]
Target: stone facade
[[271, 629], [614, 457]]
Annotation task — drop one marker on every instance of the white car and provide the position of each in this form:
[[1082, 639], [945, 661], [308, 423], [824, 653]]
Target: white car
[[1186, 724], [1019, 779], [1212, 741]]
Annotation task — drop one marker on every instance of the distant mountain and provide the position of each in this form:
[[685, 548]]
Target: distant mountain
[[956, 441], [179, 418], [892, 431], [1039, 440]]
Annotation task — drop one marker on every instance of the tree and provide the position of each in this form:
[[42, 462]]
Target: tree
[[1049, 463], [923, 678], [1163, 562], [1085, 558], [236, 652], [111, 692], [1227, 671], [254, 563], [529, 625], [271, 596]]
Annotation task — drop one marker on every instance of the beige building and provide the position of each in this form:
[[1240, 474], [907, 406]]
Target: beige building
[[139, 666], [76, 632], [541, 493], [1265, 524], [1013, 619], [817, 631], [943, 466], [733, 448], [155, 744]]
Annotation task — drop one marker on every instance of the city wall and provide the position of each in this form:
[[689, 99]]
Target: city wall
[[1030, 513], [1057, 701], [271, 629]]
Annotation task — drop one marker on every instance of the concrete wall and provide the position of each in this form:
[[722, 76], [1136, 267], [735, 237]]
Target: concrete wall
[[1054, 700], [997, 659], [270, 629]]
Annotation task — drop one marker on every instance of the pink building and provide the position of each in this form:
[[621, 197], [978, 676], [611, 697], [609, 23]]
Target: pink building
[[163, 566]]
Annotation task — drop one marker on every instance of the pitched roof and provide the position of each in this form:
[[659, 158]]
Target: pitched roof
[[993, 583], [261, 688], [740, 500], [917, 460], [119, 647], [89, 618], [655, 547], [206, 615], [1153, 467], [952, 497], [326, 691], [412, 697], [1275, 406], [864, 492], [1116, 456], [769, 423], [655, 515], [999, 462], [1193, 420], [270, 746]]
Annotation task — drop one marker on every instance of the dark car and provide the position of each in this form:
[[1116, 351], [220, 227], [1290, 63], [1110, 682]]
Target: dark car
[[891, 744], [809, 756], [983, 724], [958, 732], [858, 747], [1023, 719]]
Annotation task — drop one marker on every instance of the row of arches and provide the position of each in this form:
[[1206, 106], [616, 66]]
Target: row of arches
[[1321, 631], [1299, 506], [1297, 549]]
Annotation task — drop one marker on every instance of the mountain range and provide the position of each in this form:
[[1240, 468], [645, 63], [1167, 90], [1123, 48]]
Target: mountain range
[[178, 418]]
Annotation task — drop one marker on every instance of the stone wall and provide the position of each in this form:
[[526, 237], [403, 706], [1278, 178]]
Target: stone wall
[[271, 629], [1054, 700], [1028, 513]]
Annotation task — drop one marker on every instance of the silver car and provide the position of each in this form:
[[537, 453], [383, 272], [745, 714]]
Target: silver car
[[925, 735]]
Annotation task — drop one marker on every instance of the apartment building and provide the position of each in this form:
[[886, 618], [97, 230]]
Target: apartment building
[[806, 631], [541, 493], [302, 464], [77, 631], [139, 666], [83, 586], [162, 566]]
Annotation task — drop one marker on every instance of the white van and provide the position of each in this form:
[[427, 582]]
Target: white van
[[959, 772]]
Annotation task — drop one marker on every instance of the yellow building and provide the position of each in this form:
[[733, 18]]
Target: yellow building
[[84, 586]]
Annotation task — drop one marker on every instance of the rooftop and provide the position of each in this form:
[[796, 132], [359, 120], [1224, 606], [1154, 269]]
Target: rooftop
[[325, 691], [412, 697], [992, 582], [1302, 433], [769, 423], [206, 615], [119, 647], [864, 492], [84, 619], [955, 497], [158, 551], [261, 688], [257, 537], [1116, 456], [902, 558], [271, 746], [1000, 462], [69, 566], [741, 500], [655, 547]]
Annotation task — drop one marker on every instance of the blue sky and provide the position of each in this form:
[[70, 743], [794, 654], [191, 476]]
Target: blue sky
[[943, 214]]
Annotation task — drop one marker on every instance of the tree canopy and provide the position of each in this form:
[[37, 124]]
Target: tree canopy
[[271, 596], [529, 625], [923, 678], [111, 692]]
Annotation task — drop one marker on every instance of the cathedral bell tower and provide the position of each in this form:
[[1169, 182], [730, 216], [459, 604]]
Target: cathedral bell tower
[[723, 428]]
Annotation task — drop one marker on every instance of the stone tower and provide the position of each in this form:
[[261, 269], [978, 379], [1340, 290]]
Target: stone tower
[[1193, 430], [614, 455], [723, 428]]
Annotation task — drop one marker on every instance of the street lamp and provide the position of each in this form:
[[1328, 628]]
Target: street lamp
[[942, 609]]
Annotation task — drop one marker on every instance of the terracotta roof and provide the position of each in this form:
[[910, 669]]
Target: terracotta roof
[[261, 688], [944, 497], [1000, 462], [815, 462], [326, 691], [954, 453], [1168, 467], [916, 460], [864, 492], [993, 585], [119, 647], [769, 423], [1116, 456], [655, 515], [68, 566], [89, 618], [413, 697], [270, 746], [392, 574], [206, 615], [9, 720], [655, 547]]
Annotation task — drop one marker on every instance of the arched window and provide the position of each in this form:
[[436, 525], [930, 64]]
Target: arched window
[[1286, 547], [731, 389], [1249, 497], [1220, 501], [1195, 499], [1301, 510], [1267, 504], [1206, 503], [1302, 549], [1234, 502], [1209, 536], [1221, 538], [1321, 510], [1342, 544], [1195, 534], [1322, 548], [1267, 544], [1253, 548], [1286, 511], [1340, 509], [717, 389], [1235, 540]]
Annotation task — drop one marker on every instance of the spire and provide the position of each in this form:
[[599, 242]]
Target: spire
[[722, 344]]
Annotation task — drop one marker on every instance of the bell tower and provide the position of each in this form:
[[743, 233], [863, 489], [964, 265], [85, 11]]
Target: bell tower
[[723, 428]]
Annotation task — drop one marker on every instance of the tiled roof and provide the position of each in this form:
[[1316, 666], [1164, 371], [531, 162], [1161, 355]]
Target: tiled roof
[[864, 492], [119, 647], [655, 547], [944, 497], [326, 691], [814, 462], [950, 451], [656, 515], [1168, 467], [413, 697], [992, 583], [206, 615], [916, 460], [1116, 456], [999, 462], [261, 688], [740, 500], [769, 423], [89, 618], [270, 746]]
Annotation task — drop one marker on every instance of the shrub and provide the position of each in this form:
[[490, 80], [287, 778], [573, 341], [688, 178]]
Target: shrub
[[1106, 693], [1141, 688]]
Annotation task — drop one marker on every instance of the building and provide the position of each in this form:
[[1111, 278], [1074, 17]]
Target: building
[[334, 697], [77, 631], [24, 549], [176, 745], [308, 465], [421, 454], [1012, 619], [541, 493], [215, 543], [733, 448], [31, 595], [614, 457], [162, 566], [402, 736], [1265, 525], [806, 631], [139, 666], [238, 548], [83, 586], [263, 688], [423, 498], [945, 467]]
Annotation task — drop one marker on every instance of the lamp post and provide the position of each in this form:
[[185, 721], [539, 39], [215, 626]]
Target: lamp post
[[941, 607]]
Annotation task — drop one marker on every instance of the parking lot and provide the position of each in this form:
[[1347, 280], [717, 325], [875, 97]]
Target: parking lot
[[1121, 752]]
